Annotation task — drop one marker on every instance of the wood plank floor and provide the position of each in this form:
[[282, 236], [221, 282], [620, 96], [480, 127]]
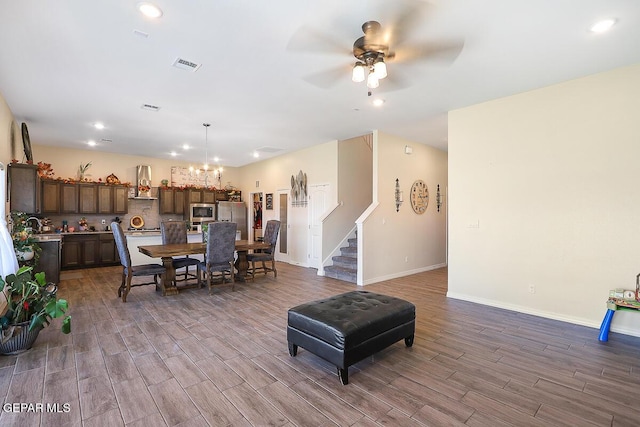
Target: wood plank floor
[[197, 360]]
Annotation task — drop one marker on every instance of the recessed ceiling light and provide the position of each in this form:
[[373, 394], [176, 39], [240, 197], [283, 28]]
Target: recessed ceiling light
[[378, 102], [216, 159], [602, 26], [185, 146], [98, 125], [150, 10], [91, 143], [256, 154], [173, 153]]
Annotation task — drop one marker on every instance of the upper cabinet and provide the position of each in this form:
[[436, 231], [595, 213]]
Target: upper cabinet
[[24, 188], [113, 199], [171, 200], [50, 197], [69, 198], [86, 198]]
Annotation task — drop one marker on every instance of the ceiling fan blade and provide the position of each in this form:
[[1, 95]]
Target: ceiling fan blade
[[311, 40], [439, 51], [326, 79], [399, 28]]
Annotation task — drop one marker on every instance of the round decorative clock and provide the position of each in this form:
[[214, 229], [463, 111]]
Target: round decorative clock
[[419, 196]]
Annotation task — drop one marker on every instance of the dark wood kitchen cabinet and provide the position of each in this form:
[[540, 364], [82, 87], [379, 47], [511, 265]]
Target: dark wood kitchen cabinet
[[171, 201], [49, 261], [120, 199], [80, 250], [88, 199], [24, 188], [208, 196], [113, 199], [69, 198], [89, 250], [108, 250], [50, 197]]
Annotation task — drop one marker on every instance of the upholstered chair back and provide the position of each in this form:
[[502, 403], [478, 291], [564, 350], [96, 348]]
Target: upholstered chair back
[[173, 232], [121, 244], [271, 235], [221, 242]]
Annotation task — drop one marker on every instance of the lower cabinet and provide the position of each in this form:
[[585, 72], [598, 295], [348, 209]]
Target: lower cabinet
[[49, 261], [108, 250], [88, 250]]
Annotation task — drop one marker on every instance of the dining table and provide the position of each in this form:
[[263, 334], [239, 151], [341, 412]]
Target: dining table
[[167, 252]]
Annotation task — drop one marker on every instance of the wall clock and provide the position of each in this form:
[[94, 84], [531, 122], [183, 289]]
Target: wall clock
[[419, 197]]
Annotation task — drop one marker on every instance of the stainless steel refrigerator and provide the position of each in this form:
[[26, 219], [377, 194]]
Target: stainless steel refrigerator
[[234, 212]]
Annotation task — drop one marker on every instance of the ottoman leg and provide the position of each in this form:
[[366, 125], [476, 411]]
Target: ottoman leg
[[344, 375], [293, 349], [408, 341]]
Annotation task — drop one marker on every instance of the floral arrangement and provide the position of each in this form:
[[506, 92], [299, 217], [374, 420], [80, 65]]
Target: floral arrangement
[[22, 235], [143, 188], [45, 171], [83, 223], [30, 300]]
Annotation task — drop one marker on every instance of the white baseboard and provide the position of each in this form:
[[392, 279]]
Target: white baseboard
[[403, 273], [541, 313]]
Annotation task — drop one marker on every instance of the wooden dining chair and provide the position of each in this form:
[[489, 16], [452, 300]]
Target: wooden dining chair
[[220, 251], [266, 255], [175, 232], [130, 271]]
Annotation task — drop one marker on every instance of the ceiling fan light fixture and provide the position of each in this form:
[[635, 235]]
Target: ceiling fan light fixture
[[372, 80], [357, 74], [380, 68], [149, 10]]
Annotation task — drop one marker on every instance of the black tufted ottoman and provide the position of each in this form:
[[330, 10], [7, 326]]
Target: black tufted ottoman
[[347, 328]]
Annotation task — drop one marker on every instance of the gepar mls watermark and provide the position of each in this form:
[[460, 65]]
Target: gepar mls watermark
[[36, 407]]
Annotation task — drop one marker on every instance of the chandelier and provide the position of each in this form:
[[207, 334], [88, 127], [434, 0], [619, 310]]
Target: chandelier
[[215, 173], [370, 51]]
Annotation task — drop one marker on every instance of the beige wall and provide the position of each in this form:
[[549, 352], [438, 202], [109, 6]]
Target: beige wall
[[319, 163], [7, 150], [545, 194], [355, 193], [400, 243]]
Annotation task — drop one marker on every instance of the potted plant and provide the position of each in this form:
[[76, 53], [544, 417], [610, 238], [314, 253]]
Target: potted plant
[[29, 305], [24, 243]]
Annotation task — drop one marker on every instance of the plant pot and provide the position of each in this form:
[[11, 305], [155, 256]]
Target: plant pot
[[21, 341], [25, 256]]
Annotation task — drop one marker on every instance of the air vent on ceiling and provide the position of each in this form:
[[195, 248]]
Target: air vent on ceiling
[[106, 140], [269, 149], [140, 34], [150, 107], [183, 64]]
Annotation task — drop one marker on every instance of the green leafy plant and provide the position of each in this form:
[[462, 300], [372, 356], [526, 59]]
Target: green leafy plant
[[30, 299]]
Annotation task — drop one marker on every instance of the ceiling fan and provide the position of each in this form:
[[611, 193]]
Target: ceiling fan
[[379, 45]]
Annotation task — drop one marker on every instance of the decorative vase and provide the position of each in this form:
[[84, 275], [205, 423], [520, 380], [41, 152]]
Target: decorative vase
[[25, 255], [21, 341]]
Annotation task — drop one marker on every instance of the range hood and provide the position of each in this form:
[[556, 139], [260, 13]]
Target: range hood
[[143, 183]]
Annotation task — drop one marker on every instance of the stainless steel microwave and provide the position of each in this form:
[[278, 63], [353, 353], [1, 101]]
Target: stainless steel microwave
[[202, 212]]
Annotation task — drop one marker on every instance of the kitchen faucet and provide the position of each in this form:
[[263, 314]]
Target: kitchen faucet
[[37, 220]]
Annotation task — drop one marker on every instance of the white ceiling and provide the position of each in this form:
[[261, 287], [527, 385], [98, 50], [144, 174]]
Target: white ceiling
[[66, 64]]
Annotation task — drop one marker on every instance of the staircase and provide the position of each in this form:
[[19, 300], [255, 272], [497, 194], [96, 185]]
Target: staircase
[[345, 265]]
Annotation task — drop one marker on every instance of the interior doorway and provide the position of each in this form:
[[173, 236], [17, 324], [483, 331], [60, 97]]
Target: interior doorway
[[257, 217], [283, 213]]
